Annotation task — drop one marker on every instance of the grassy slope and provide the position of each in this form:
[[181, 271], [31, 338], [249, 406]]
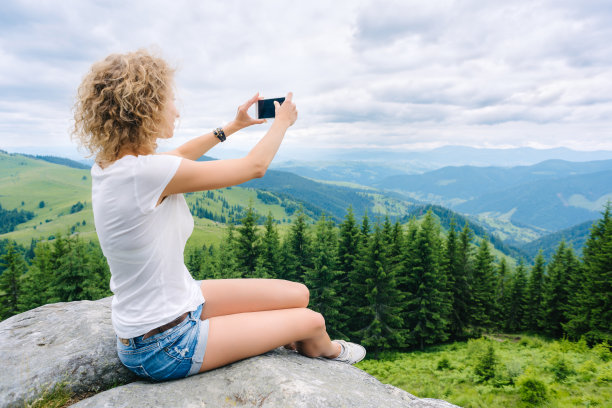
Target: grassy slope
[[588, 383], [60, 187], [31, 181]]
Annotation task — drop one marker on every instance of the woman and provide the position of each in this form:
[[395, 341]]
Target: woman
[[167, 324]]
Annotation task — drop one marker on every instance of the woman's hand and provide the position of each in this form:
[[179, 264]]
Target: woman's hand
[[286, 112], [243, 119]]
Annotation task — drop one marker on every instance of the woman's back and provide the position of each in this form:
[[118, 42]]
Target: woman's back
[[143, 242]]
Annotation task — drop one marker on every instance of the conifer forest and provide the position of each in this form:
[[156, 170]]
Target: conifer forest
[[394, 288]]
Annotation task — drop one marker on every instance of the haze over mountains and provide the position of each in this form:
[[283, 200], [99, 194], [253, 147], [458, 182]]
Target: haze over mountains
[[360, 166]]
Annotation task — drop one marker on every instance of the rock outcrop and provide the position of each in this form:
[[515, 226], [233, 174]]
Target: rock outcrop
[[62, 343], [73, 344]]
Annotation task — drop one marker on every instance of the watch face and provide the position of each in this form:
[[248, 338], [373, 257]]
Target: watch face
[[265, 107]]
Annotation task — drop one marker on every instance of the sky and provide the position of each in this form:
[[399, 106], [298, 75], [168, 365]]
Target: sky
[[369, 75]]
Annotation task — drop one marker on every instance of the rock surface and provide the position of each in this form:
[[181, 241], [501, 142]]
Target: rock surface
[[279, 378], [71, 343], [74, 344]]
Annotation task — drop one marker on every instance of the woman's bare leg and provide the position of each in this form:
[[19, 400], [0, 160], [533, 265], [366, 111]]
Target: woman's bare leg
[[237, 336], [230, 296]]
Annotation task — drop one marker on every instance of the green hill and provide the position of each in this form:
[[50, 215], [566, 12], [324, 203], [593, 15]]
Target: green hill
[[574, 236], [480, 231], [50, 191], [59, 196]]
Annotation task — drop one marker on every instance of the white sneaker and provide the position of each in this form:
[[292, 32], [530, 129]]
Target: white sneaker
[[351, 353]]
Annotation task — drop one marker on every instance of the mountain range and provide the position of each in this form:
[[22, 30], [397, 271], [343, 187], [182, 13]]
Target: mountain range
[[513, 206]]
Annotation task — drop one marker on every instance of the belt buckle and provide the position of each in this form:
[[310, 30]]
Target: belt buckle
[[126, 342]]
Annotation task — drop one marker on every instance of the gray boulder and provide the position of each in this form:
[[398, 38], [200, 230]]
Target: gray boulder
[[73, 344], [62, 343], [277, 379]]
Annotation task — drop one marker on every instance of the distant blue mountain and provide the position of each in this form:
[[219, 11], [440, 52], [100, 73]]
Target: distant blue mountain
[[469, 182], [549, 204], [551, 195]]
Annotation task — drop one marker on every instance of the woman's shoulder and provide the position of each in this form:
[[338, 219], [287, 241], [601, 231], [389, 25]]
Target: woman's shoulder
[[142, 161]]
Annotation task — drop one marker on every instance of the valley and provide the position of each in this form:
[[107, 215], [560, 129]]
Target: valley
[[515, 207]]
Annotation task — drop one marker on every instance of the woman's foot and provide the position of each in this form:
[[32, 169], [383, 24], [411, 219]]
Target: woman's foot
[[350, 353]]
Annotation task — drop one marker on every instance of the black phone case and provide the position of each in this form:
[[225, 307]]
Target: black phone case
[[265, 107]]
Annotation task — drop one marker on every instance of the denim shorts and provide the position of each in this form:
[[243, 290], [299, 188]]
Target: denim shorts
[[175, 353]]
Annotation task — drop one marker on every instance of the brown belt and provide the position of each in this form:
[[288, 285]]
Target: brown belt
[[159, 329]]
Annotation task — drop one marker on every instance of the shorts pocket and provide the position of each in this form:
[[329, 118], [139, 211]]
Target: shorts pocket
[[181, 346]]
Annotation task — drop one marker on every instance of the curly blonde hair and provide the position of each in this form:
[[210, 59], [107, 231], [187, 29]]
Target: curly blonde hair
[[120, 105]]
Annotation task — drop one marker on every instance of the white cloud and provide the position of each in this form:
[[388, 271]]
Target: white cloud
[[370, 74]]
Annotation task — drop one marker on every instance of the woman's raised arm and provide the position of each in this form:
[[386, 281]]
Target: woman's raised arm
[[209, 175], [196, 147]]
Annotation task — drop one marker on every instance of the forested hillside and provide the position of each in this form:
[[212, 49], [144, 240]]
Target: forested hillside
[[575, 237], [58, 196], [385, 285]]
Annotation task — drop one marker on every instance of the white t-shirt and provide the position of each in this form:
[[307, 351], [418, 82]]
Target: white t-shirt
[[143, 242]]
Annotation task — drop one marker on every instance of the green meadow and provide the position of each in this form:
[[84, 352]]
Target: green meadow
[[50, 191], [503, 371]]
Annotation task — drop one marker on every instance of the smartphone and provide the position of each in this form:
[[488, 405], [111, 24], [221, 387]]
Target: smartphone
[[265, 107]]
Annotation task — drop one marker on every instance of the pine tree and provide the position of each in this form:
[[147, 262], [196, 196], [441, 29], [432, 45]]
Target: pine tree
[[247, 244], [356, 288], [69, 261], [517, 306], [426, 307], [348, 258], [97, 283], [396, 244], [37, 283], [194, 260], [387, 232], [556, 293], [483, 288], [502, 291], [457, 285], [381, 309], [535, 289], [365, 226], [209, 268], [403, 270], [226, 259], [323, 278], [269, 262], [463, 280], [10, 281], [591, 311], [297, 251], [348, 244]]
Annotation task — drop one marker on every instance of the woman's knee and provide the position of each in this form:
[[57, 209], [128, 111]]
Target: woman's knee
[[300, 293], [314, 321]]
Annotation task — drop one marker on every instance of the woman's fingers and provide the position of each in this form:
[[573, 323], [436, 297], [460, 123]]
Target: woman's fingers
[[250, 102], [287, 110]]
